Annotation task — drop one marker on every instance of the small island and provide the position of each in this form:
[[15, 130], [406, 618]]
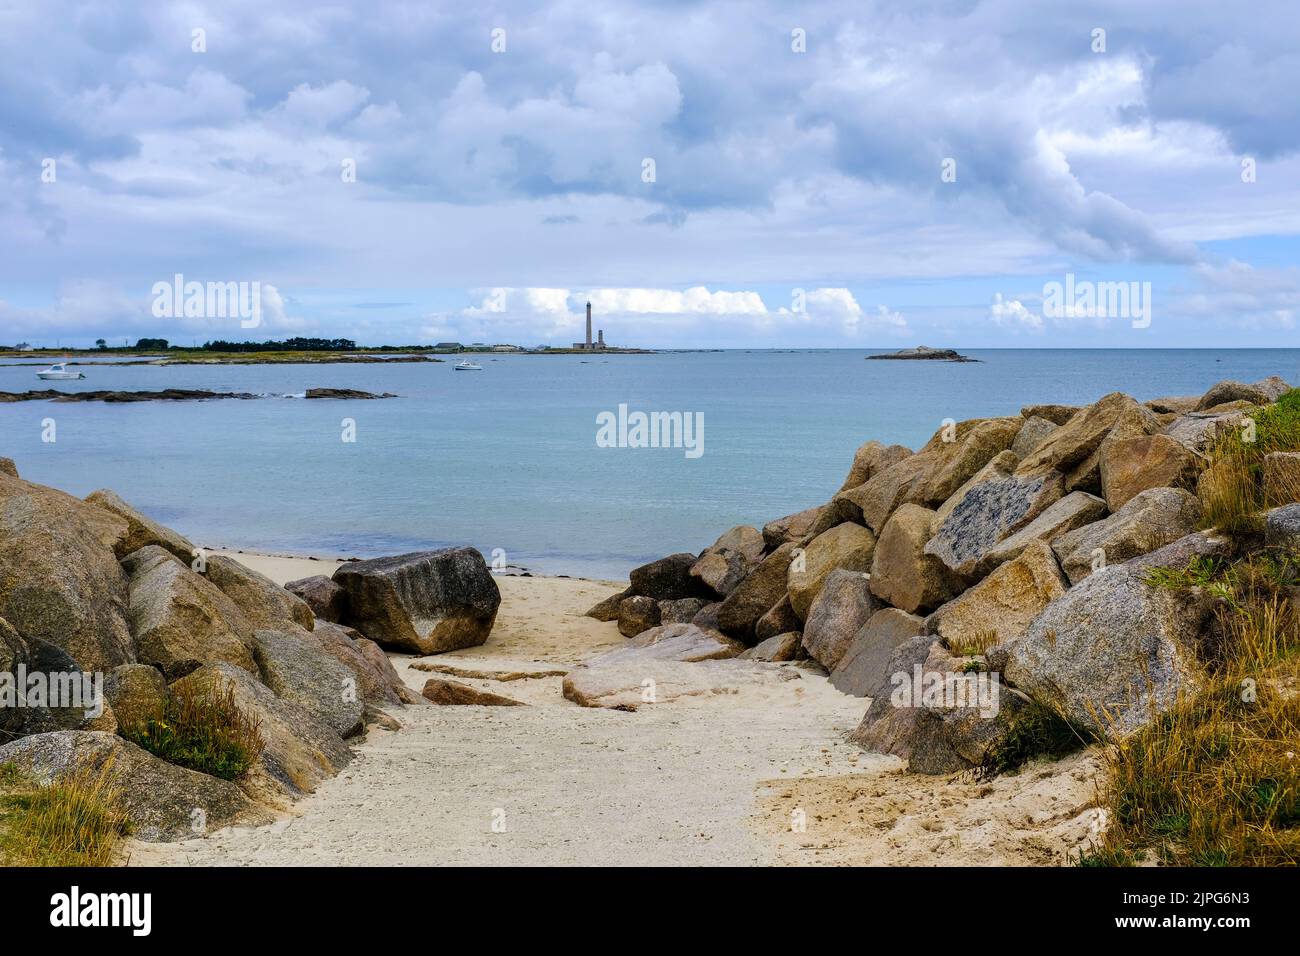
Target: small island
[[922, 352]]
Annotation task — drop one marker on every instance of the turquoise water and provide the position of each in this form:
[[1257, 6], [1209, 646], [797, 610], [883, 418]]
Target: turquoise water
[[507, 457]]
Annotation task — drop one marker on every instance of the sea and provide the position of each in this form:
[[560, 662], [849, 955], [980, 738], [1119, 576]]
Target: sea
[[510, 459]]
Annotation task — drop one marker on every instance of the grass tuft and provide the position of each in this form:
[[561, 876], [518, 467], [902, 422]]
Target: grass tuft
[[203, 730], [1035, 731], [78, 820], [1231, 488]]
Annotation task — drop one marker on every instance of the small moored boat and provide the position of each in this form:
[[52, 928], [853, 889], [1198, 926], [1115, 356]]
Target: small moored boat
[[58, 372], [468, 367]]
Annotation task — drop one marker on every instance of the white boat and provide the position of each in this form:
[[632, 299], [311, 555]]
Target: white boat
[[58, 372], [468, 367]]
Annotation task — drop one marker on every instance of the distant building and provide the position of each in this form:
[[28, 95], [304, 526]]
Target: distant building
[[23, 347], [448, 346], [588, 345]]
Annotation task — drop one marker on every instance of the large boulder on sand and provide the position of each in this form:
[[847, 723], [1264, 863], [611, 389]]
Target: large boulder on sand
[[902, 574], [1113, 650], [160, 798], [607, 609], [672, 642], [1001, 607], [777, 648], [1132, 465], [325, 598], [265, 604], [840, 609], [863, 666], [300, 751], [299, 669], [426, 601], [59, 578], [180, 619], [756, 595], [934, 712], [847, 546], [1263, 392], [375, 674], [140, 531], [636, 614], [450, 693], [1150, 520]]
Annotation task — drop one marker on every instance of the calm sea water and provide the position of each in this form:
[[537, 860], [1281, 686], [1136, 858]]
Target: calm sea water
[[507, 457]]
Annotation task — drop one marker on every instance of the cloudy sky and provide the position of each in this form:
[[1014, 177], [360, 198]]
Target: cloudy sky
[[717, 174]]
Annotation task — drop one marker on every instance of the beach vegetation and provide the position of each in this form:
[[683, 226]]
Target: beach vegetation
[[201, 729], [1034, 732], [77, 820], [1231, 488], [1215, 780]]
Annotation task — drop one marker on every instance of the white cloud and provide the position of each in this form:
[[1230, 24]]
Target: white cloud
[[693, 301], [1013, 314]]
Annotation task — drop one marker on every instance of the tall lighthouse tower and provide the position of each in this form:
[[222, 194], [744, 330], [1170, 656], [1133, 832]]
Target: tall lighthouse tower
[[588, 326]]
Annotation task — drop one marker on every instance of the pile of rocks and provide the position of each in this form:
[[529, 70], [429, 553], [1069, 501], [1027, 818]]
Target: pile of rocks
[[1007, 554], [95, 587]]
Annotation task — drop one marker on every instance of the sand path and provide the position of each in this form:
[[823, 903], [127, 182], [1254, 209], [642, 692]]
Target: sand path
[[712, 780]]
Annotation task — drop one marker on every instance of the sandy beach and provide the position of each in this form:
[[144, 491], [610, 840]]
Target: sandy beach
[[700, 780]]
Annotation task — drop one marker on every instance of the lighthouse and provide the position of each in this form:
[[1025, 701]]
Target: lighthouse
[[588, 326]]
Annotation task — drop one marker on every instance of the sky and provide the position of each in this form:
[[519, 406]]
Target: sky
[[707, 174]]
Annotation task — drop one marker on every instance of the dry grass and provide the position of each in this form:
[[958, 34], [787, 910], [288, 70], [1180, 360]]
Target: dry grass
[[1216, 780], [78, 820], [977, 643], [1232, 489]]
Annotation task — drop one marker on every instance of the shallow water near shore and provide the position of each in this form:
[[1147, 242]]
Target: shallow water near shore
[[507, 458]]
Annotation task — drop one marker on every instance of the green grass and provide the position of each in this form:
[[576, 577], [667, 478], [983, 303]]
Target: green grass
[[1215, 781], [202, 730], [1231, 488], [1035, 731], [78, 820]]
